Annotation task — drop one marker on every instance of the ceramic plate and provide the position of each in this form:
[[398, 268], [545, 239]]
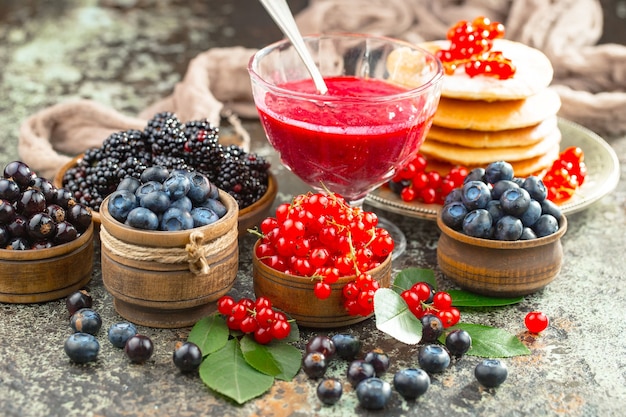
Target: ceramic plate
[[602, 177]]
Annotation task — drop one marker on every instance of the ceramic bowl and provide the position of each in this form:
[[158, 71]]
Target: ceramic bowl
[[248, 217], [294, 294], [500, 268]]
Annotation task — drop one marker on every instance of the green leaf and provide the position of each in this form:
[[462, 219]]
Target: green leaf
[[490, 342], [227, 372], [277, 359], [406, 278], [209, 333], [462, 298], [394, 318]]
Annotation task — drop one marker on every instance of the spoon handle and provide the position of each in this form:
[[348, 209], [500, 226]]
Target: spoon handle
[[282, 16]]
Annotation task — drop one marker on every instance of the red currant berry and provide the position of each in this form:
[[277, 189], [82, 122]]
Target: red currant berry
[[442, 300], [536, 321], [280, 329], [263, 335], [225, 305], [321, 290]]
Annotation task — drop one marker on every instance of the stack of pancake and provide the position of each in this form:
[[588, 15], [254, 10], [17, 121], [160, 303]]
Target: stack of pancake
[[483, 119]]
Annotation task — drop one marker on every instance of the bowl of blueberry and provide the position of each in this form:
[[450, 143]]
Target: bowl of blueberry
[[46, 238], [169, 244], [500, 234], [167, 142]]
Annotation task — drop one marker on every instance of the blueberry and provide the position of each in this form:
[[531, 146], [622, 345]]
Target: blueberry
[[532, 213], [535, 187], [200, 189], [155, 173], [129, 183], [148, 187], [77, 300], [549, 207], [432, 328], [454, 195], [478, 223], [81, 347], [86, 320], [314, 364], [183, 203], [347, 346], [515, 201], [546, 225], [175, 219], [139, 348], [499, 170], [397, 186], [120, 332], [528, 234], [458, 342], [329, 391], [433, 358], [203, 216], [322, 344], [495, 210], [142, 218], [373, 393], [500, 187], [411, 383], [453, 214], [215, 205], [475, 195], [491, 373], [156, 201], [187, 356], [358, 370], [379, 360], [508, 228], [177, 186], [476, 174]]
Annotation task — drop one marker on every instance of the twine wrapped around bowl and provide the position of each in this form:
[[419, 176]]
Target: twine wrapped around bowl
[[169, 279]]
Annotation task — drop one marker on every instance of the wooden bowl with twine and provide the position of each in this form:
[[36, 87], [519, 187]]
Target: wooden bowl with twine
[[248, 217], [169, 279], [294, 294], [39, 275], [500, 268]]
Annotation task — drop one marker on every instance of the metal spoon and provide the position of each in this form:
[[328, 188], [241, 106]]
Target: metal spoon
[[282, 16]]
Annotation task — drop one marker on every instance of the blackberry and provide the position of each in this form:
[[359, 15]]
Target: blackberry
[[166, 134], [202, 149], [131, 167], [172, 163], [239, 175]]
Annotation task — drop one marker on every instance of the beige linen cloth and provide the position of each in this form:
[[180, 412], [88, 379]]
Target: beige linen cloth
[[590, 78]]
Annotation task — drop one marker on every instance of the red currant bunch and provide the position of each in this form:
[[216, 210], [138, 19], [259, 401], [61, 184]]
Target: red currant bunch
[[414, 182], [358, 295], [422, 300], [470, 48], [254, 317], [321, 236], [566, 174]]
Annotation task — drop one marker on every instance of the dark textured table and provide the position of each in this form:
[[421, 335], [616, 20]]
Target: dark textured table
[[129, 53]]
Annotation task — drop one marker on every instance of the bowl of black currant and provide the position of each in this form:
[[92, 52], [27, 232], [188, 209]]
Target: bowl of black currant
[[500, 234], [46, 238], [167, 142]]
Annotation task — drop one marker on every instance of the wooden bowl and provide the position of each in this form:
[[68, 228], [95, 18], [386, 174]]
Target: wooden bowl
[[153, 276], [294, 295], [35, 276], [500, 268], [248, 217]]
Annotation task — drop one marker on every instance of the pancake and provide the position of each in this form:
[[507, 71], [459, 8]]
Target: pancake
[[463, 155], [534, 73], [493, 139], [531, 166], [497, 115]]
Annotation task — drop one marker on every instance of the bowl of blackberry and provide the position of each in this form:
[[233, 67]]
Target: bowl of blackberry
[[46, 238], [500, 234], [175, 145]]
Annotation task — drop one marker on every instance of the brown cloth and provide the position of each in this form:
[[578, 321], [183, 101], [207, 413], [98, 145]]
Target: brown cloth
[[590, 78]]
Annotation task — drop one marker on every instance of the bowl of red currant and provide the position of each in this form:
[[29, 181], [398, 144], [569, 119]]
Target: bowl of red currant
[[46, 238], [321, 261], [500, 234]]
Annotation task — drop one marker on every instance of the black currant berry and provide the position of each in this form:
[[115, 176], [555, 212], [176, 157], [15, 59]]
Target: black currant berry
[[77, 300], [321, 344], [432, 328], [491, 373], [458, 342], [358, 370], [314, 364], [187, 356], [20, 173], [379, 360], [139, 348], [347, 346], [41, 227], [329, 391]]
